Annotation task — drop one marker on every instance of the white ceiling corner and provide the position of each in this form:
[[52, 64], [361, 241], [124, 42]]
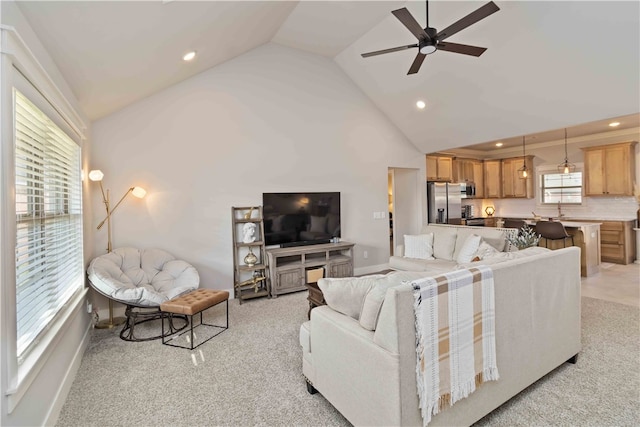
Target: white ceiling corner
[[545, 67]]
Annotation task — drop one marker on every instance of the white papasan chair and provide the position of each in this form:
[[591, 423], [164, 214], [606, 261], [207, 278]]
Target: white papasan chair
[[142, 279]]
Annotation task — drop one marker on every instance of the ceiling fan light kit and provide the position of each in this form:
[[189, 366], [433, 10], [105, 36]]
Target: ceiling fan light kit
[[523, 172], [566, 167], [430, 40]]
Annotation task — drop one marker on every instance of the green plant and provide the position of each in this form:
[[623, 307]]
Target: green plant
[[525, 238]]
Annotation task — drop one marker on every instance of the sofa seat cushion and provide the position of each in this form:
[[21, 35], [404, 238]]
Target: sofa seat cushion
[[414, 264], [499, 257]]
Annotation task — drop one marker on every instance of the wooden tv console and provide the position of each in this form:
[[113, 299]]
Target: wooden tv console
[[288, 266]]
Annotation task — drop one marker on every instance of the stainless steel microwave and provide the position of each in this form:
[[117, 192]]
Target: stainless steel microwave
[[468, 190]]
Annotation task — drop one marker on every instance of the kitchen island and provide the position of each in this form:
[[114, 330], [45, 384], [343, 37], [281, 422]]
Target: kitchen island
[[586, 235]]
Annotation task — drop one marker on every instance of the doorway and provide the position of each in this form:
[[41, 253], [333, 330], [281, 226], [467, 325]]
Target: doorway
[[405, 203]]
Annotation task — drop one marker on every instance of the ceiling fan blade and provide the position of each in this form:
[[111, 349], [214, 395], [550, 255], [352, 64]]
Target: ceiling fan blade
[[468, 20], [461, 48], [393, 49], [415, 67], [410, 22]]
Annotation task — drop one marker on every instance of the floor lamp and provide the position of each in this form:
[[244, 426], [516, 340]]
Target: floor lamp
[[97, 175]]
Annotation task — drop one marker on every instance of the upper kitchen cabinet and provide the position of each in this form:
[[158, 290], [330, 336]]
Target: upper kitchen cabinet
[[492, 179], [513, 186], [439, 168], [469, 171], [609, 169]]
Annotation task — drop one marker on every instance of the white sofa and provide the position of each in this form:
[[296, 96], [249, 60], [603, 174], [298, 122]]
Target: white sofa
[[370, 375], [448, 241]]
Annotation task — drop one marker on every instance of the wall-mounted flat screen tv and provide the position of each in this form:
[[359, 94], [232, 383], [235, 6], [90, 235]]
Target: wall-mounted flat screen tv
[[292, 219]]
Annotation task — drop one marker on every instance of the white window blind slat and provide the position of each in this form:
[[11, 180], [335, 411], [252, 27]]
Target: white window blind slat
[[49, 264]]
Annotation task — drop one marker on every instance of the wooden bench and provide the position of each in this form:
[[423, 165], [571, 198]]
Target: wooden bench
[[192, 304]]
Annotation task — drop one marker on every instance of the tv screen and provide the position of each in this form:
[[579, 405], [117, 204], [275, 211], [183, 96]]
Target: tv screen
[[292, 219]]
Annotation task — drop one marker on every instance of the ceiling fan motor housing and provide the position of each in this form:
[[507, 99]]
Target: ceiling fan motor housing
[[429, 45]]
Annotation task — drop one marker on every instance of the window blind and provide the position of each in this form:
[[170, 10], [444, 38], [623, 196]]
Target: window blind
[[48, 195]]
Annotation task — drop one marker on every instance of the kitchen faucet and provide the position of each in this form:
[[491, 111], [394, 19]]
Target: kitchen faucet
[[560, 214]]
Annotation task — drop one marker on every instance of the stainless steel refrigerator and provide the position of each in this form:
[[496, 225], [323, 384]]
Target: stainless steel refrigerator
[[445, 202]]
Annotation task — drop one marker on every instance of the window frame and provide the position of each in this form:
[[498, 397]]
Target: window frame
[[543, 170], [18, 65]]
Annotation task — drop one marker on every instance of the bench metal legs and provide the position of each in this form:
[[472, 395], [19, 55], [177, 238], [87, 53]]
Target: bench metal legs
[[191, 340]]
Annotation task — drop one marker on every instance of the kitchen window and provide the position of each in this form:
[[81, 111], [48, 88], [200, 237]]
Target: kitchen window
[[561, 188]]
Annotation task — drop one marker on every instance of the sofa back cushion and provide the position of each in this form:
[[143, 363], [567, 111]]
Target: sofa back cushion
[[346, 294], [376, 295], [444, 241]]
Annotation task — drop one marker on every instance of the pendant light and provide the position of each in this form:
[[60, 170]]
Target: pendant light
[[566, 167], [523, 172]]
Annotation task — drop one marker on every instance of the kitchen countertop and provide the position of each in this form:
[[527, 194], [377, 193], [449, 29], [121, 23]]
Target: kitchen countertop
[[566, 223]]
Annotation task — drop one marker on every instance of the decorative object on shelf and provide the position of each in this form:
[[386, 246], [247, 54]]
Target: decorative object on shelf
[[248, 214], [523, 172], [96, 175], [249, 232], [490, 210], [566, 167], [525, 238], [254, 282], [250, 259]]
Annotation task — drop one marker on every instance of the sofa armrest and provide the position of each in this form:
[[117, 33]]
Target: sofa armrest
[[399, 250], [348, 365]]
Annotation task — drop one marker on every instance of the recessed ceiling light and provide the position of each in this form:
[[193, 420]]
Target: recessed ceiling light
[[189, 56], [614, 124], [420, 104], [499, 144]]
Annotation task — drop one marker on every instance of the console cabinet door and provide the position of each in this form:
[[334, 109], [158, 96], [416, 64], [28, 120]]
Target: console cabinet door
[[343, 269], [289, 279]]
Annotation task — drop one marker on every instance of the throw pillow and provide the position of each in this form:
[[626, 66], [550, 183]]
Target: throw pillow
[[318, 224], [485, 250], [418, 246], [469, 248], [374, 299], [346, 294], [444, 243]]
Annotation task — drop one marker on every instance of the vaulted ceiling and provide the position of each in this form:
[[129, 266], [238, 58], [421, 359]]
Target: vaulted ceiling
[[548, 65]]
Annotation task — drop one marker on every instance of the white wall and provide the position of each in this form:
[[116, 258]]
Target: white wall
[[274, 119], [42, 400]]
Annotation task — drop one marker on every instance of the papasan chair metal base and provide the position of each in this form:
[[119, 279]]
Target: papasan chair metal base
[[142, 280], [137, 315]]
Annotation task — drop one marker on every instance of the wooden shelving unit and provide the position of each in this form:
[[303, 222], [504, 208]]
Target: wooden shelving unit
[[250, 281]]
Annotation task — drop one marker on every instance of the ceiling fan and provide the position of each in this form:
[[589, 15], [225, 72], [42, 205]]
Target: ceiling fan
[[430, 40]]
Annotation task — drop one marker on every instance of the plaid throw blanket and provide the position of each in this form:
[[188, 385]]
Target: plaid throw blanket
[[455, 336]]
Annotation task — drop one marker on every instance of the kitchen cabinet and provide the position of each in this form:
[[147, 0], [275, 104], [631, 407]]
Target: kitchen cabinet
[[617, 241], [492, 179], [471, 171], [512, 185], [609, 169], [439, 168]]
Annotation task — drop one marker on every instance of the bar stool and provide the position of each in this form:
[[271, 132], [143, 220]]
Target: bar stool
[[552, 230], [514, 223]]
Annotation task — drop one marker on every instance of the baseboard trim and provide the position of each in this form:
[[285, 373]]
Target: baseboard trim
[[63, 392]]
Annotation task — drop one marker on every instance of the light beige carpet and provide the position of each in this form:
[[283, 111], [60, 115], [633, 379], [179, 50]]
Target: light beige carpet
[[251, 375]]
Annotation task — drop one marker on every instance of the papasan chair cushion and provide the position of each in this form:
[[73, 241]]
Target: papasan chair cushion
[[142, 277]]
